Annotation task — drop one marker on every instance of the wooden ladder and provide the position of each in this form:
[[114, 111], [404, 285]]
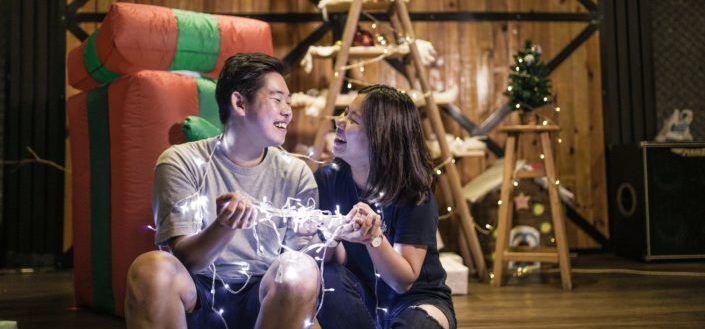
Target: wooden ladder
[[401, 23], [503, 252]]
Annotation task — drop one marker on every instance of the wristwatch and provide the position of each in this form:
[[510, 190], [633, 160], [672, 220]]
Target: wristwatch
[[376, 241]]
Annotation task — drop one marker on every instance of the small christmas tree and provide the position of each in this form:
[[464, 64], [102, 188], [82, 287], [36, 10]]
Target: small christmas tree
[[529, 86]]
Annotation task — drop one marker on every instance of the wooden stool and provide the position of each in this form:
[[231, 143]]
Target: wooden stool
[[503, 252]]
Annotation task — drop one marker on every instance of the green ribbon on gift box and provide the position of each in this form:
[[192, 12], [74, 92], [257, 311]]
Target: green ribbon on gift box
[[93, 65], [99, 154], [199, 42]]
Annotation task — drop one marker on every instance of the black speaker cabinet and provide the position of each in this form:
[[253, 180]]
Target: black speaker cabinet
[[657, 200]]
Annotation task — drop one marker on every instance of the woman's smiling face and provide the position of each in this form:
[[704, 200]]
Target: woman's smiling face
[[351, 143]]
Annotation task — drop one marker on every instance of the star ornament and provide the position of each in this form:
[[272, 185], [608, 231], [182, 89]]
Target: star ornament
[[521, 201]]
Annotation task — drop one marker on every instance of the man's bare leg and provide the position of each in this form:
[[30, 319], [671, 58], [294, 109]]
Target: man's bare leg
[[159, 293], [288, 292]]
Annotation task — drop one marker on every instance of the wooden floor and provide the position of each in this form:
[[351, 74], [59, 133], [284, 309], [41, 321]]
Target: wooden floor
[[662, 299]]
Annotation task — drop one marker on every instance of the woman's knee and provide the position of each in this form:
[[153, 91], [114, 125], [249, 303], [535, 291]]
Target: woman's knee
[[433, 314]]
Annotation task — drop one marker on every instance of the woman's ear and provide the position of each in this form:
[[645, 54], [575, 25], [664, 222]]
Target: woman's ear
[[237, 102]]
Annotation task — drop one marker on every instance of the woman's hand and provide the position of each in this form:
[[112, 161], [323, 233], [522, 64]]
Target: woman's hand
[[363, 224]]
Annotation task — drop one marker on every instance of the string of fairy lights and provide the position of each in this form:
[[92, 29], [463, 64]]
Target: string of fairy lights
[[301, 215], [529, 89], [298, 216]]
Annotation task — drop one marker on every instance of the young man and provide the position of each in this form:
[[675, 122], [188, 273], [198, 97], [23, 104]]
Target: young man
[[222, 271]]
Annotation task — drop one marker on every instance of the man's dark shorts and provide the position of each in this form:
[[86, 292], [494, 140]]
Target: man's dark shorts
[[237, 310]]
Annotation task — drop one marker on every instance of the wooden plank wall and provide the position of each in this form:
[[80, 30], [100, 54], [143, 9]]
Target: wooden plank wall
[[476, 58]]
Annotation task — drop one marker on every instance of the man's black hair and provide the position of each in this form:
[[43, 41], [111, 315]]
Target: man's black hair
[[243, 73]]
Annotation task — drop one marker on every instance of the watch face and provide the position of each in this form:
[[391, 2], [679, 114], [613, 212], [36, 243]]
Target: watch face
[[376, 242]]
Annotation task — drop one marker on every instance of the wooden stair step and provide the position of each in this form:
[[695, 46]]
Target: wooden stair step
[[529, 174], [363, 52], [543, 255]]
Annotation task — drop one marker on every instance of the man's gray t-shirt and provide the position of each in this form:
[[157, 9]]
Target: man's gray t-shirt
[[181, 180]]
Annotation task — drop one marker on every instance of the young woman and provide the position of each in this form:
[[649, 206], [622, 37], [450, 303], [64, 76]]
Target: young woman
[[387, 272]]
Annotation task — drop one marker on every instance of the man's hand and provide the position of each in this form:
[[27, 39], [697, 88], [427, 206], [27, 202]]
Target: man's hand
[[363, 224], [234, 211]]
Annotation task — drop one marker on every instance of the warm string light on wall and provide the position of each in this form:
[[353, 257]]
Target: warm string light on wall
[[545, 121], [489, 229], [381, 40]]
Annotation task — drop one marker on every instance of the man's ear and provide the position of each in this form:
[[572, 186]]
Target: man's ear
[[237, 102]]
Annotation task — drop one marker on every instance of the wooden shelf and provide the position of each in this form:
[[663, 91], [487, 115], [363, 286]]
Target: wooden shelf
[[365, 52], [367, 5], [343, 100], [528, 128]]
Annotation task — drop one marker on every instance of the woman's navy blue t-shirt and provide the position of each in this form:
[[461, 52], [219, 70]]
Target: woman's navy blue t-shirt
[[407, 224]]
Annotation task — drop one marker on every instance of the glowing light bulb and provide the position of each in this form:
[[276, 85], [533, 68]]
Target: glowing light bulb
[[286, 157], [199, 161]]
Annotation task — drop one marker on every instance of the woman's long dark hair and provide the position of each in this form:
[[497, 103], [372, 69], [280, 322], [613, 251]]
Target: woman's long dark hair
[[400, 165]]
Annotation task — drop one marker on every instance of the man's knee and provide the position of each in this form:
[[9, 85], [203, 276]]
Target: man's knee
[[297, 276], [151, 273]]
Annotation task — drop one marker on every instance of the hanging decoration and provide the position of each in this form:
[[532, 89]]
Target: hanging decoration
[[522, 201]]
